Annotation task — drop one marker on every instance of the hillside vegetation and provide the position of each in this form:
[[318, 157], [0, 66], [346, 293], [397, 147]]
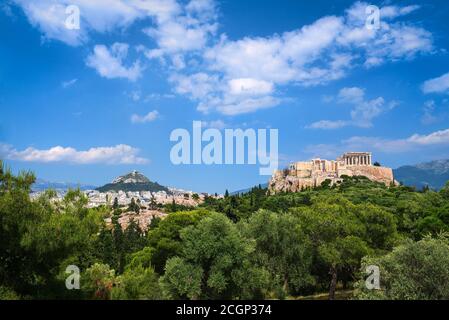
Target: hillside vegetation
[[240, 247]]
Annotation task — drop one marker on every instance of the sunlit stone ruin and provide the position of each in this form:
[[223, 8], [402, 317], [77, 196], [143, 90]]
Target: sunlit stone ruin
[[305, 174]]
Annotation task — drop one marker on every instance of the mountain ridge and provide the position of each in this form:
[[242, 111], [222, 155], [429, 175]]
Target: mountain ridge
[[433, 174], [42, 185]]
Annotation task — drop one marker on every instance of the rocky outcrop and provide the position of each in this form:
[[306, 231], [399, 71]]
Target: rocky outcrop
[[143, 219], [313, 173], [379, 174]]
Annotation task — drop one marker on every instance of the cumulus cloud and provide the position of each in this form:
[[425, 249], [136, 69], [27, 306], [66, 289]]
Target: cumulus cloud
[[49, 16], [314, 54], [363, 113], [187, 29], [149, 117], [437, 85], [119, 154], [234, 76], [108, 62]]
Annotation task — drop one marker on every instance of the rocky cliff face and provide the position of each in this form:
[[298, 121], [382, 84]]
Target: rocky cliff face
[[285, 181], [379, 174]]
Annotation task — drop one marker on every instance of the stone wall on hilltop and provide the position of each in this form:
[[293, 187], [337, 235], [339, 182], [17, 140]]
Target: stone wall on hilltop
[[313, 173]]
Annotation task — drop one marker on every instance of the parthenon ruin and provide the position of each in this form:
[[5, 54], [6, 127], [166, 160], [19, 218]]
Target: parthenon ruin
[[357, 158], [314, 172]]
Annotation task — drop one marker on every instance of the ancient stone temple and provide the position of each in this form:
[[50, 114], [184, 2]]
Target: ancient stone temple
[[313, 173]]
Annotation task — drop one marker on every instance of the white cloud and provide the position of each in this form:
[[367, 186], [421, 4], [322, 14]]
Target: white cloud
[[198, 86], [149, 117], [174, 36], [413, 143], [277, 59], [187, 29], [247, 105], [437, 137], [314, 54], [69, 83], [363, 112], [248, 86], [352, 95], [437, 85], [109, 62], [328, 124], [119, 154], [210, 69], [49, 16], [390, 12]]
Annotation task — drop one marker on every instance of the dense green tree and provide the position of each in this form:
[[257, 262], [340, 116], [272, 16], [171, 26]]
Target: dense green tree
[[97, 282], [214, 263], [166, 239], [282, 249], [137, 283], [379, 224], [39, 238], [445, 191], [412, 271], [336, 235], [134, 238]]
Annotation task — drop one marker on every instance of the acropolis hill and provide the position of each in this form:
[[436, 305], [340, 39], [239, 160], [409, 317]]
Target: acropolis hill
[[313, 173]]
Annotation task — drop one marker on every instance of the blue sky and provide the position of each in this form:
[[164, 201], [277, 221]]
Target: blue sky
[[87, 105]]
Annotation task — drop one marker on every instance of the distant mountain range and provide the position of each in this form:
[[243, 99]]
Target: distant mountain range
[[134, 181], [42, 185], [434, 174]]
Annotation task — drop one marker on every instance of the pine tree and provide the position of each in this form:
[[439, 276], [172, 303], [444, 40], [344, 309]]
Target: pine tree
[[133, 206], [117, 236], [115, 205], [173, 205]]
